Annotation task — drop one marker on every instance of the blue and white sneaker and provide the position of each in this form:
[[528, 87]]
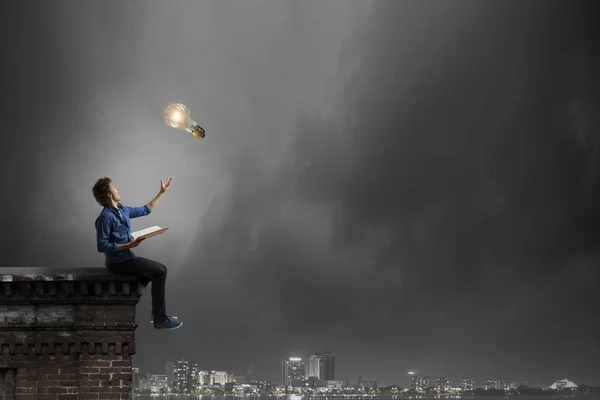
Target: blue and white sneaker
[[169, 324], [168, 316]]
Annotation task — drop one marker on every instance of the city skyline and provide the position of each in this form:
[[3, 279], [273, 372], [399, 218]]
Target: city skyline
[[192, 379], [406, 379], [412, 185]]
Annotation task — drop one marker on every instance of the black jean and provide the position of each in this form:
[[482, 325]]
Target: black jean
[[148, 270]]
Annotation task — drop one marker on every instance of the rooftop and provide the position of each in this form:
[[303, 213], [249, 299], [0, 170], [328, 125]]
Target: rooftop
[[20, 274]]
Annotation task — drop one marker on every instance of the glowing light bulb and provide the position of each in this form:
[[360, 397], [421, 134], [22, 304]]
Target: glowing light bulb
[[178, 116]]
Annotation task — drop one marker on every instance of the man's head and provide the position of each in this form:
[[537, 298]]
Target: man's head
[[105, 192]]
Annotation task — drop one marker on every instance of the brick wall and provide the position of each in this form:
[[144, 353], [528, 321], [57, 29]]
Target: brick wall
[[66, 335]]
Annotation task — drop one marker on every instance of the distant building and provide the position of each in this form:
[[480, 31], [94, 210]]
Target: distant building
[[169, 371], [248, 375], [563, 384], [220, 378], [192, 379], [419, 382], [262, 384], [215, 378], [159, 383], [467, 384], [491, 384], [442, 384], [335, 385], [367, 385], [322, 366], [292, 372], [314, 382], [135, 377], [415, 382], [178, 373], [203, 377], [144, 384]]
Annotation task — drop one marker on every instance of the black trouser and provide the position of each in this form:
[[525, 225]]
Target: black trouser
[[148, 270]]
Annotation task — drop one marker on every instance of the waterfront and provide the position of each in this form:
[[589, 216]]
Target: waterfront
[[295, 397]]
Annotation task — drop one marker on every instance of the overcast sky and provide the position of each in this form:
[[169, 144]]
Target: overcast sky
[[411, 185]]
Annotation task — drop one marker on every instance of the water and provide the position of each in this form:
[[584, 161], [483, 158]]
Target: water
[[541, 397]]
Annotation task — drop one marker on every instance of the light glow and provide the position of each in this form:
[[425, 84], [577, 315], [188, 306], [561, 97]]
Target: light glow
[[178, 116]]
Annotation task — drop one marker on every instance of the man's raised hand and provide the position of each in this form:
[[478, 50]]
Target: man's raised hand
[[164, 186]]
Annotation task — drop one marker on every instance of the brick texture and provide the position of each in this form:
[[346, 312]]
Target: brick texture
[[66, 334]]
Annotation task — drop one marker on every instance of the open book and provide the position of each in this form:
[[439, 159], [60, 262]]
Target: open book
[[149, 232]]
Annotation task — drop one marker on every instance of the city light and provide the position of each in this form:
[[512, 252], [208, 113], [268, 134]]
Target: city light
[[299, 380]]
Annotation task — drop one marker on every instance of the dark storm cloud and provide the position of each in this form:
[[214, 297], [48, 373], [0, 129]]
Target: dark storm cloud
[[448, 196], [426, 198]]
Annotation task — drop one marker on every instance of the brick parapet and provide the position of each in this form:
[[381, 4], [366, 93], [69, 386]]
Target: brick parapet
[[67, 334]]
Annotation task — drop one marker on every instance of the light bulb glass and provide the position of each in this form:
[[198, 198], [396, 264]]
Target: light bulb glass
[[178, 116]]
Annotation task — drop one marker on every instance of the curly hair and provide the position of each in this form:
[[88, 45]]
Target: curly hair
[[101, 190]]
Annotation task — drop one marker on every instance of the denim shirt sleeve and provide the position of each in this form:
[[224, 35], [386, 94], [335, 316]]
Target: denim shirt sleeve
[[102, 235], [135, 212]]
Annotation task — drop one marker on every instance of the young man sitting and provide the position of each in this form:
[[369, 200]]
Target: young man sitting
[[113, 236]]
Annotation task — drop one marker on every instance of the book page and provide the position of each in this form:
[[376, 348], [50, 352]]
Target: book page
[[146, 231]]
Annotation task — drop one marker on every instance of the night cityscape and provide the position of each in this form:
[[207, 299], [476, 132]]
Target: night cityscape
[[316, 376]]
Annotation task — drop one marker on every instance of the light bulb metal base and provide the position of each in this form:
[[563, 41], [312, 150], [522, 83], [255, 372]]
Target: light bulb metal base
[[197, 131]]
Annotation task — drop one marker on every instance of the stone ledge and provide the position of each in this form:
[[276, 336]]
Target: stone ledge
[[20, 285], [20, 274]]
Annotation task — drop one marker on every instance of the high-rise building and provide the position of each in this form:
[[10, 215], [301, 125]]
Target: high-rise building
[[425, 383], [490, 384], [192, 380], [249, 375], [322, 366], [467, 384], [292, 372], [144, 383], [135, 378], [442, 384], [419, 382], [178, 372], [159, 383], [415, 382]]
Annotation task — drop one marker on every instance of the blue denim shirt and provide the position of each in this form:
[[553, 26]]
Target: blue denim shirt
[[113, 227]]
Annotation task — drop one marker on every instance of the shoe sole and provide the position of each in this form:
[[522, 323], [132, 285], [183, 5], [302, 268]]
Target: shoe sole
[[170, 329], [172, 316]]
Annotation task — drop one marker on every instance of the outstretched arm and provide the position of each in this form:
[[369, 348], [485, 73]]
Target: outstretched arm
[[164, 186]]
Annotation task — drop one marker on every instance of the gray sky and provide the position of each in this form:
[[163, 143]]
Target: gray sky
[[412, 185]]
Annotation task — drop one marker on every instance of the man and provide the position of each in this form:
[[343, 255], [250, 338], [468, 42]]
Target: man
[[113, 234]]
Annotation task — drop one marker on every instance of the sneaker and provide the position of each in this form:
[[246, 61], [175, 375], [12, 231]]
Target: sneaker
[[168, 316], [168, 324]]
